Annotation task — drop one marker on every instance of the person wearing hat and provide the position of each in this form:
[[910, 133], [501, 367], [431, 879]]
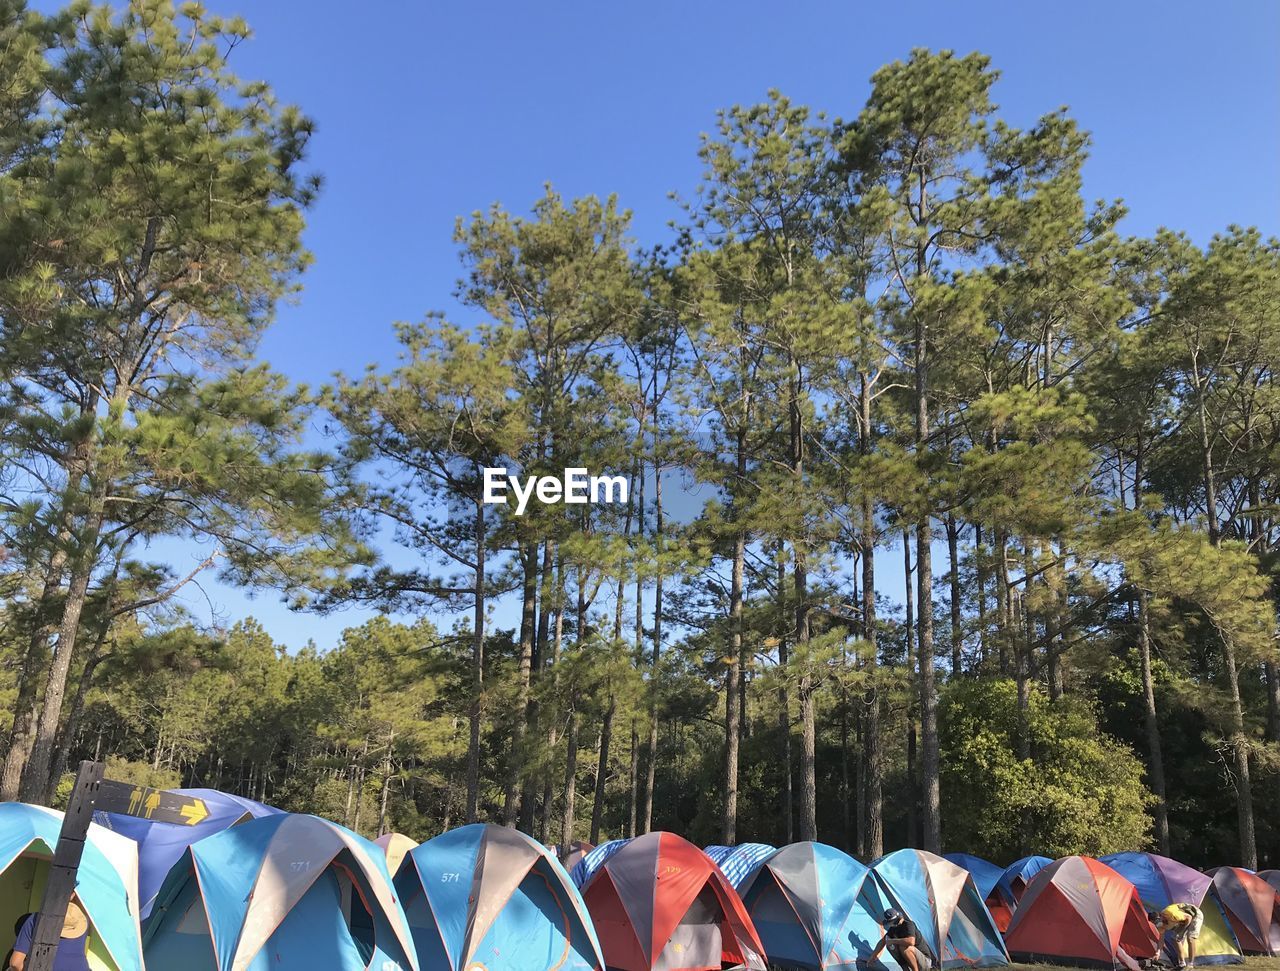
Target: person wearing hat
[[1182, 921], [901, 940], [72, 950]]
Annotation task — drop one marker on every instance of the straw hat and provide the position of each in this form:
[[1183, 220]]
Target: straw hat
[[76, 923]]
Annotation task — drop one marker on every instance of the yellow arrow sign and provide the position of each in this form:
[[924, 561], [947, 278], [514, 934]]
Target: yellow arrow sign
[[159, 805]]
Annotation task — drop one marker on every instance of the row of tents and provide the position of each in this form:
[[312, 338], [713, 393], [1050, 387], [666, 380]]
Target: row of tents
[[252, 889]]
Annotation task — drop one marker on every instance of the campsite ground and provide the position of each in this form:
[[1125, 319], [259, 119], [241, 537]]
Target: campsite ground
[[1251, 964]]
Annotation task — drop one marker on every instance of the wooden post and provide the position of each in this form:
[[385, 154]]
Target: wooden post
[[62, 871]]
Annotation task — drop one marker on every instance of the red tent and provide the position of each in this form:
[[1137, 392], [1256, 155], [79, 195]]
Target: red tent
[[1253, 908], [1080, 911], [659, 902]]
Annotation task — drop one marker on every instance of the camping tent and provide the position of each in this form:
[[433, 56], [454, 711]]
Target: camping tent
[[658, 902], [1272, 877], [1012, 884], [396, 846], [1161, 881], [807, 903], [486, 896], [160, 845], [283, 892], [582, 871], [570, 855], [1253, 908], [985, 873], [943, 902], [1080, 911], [107, 883], [739, 862]]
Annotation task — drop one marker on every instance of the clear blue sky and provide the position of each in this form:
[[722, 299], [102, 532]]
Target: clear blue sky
[[427, 111]]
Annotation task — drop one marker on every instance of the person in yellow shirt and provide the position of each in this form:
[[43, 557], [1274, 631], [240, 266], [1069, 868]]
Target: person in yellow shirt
[[1183, 921]]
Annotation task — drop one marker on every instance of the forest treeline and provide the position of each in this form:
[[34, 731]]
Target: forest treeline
[[894, 351]]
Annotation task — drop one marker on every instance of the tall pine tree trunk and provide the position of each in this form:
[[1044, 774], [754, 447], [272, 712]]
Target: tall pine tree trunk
[[634, 776], [67, 737], [570, 774], [1239, 743], [931, 809], [1272, 672], [541, 642], [873, 758], [26, 704], [957, 633], [655, 668], [528, 629], [1155, 773], [784, 713], [37, 784], [733, 710], [1240, 750], [477, 673], [807, 682], [980, 569]]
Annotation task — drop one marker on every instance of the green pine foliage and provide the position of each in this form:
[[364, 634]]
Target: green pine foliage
[[894, 350]]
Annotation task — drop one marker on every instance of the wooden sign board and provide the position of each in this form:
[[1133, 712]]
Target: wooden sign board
[[92, 792]]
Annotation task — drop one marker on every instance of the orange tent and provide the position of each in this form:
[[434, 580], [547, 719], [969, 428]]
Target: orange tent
[[1080, 911], [659, 902], [1253, 908]]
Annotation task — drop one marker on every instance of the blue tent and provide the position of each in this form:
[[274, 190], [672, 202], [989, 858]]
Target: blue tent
[[281, 893], [160, 845], [985, 873], [585, 868], [945, 905], [739, 862], [486, 896], [1017, 875], [106, 883], [810, 904]]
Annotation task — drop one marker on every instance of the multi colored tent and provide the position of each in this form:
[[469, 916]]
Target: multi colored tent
[[985, 873], [1253, 908], [943, 902], [570, 855], [106, 883], [1080, 911], [280, 893], [1161, 881], [396, 846], [739, 862], [582, 871], [658, 902], [487, 897], [807, 903], [161, 845], [1003, 901], [1272, 877]]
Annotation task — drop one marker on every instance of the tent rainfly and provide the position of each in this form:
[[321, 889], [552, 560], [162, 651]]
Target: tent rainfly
[[485, 896], [945, 905], [160, 845], [658, 902], [281, 893], [1161, 881], [1079, 911], [808, 904], [106, 883], [1253, 908], [739, 862]]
